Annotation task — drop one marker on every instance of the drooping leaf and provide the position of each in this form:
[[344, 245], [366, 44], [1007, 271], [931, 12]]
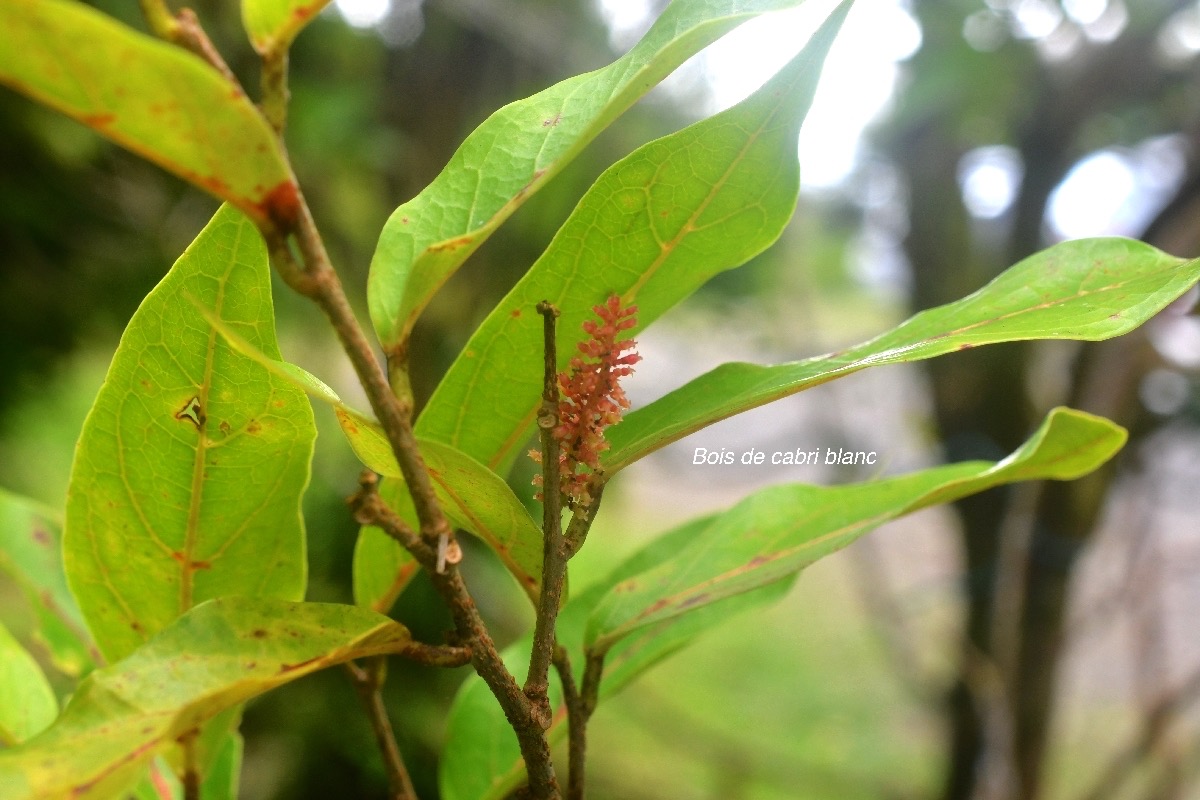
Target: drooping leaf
[[31, 554], [27, 703], [517, 150], [653, 228], [1090, 289], [156, 99], [482, 761], [215, 657], [192, 462], [782, 529], [473, 497], [273, 24]]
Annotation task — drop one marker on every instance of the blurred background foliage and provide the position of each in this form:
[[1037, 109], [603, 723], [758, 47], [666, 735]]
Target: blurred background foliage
[[1038, 642]]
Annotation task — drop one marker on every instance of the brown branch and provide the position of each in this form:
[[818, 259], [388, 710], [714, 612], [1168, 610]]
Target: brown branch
[[190, 36], [313, 276], [593, 671], [580, 701], [431, 655], [554, 560], [317, 280], [368, 682], [577, 720], [370, 509]]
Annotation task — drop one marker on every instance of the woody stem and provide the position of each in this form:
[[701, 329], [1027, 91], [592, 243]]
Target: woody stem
[[554, 557]]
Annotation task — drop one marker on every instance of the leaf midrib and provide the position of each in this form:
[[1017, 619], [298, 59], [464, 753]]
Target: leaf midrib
[[187, 569]]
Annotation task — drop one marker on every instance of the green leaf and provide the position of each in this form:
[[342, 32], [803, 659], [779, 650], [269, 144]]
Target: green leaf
[[516, 151], [1090, 289], [473, 497], [31, 554], [709, 569], [213, 658], [27, 703], [273, 24], [154, 98], [653, 228], [190, 469], [481, 758], [782, 529], [221, 782]]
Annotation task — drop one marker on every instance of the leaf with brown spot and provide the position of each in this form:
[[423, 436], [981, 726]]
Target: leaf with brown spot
[[164, 509], [203, 664], [474, 498], [156, 99]]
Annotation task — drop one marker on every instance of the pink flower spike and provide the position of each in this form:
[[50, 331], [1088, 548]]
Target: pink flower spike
[[592, 398]]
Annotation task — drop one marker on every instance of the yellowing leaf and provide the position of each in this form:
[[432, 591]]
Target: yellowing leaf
[[154, 98], [214, 658], [189, 472]]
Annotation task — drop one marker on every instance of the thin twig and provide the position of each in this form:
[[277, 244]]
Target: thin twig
[[431, 655], [370, 509], [593, 671], [190, 36], [537, 682], [576, 725], [317, 280], [368, 682], [313, 276]]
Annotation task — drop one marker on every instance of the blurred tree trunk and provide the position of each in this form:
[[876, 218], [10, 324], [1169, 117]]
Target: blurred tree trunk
[[1019, 550]]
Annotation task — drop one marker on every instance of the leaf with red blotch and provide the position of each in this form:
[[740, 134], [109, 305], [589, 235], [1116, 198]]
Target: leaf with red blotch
[[156, 99]]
